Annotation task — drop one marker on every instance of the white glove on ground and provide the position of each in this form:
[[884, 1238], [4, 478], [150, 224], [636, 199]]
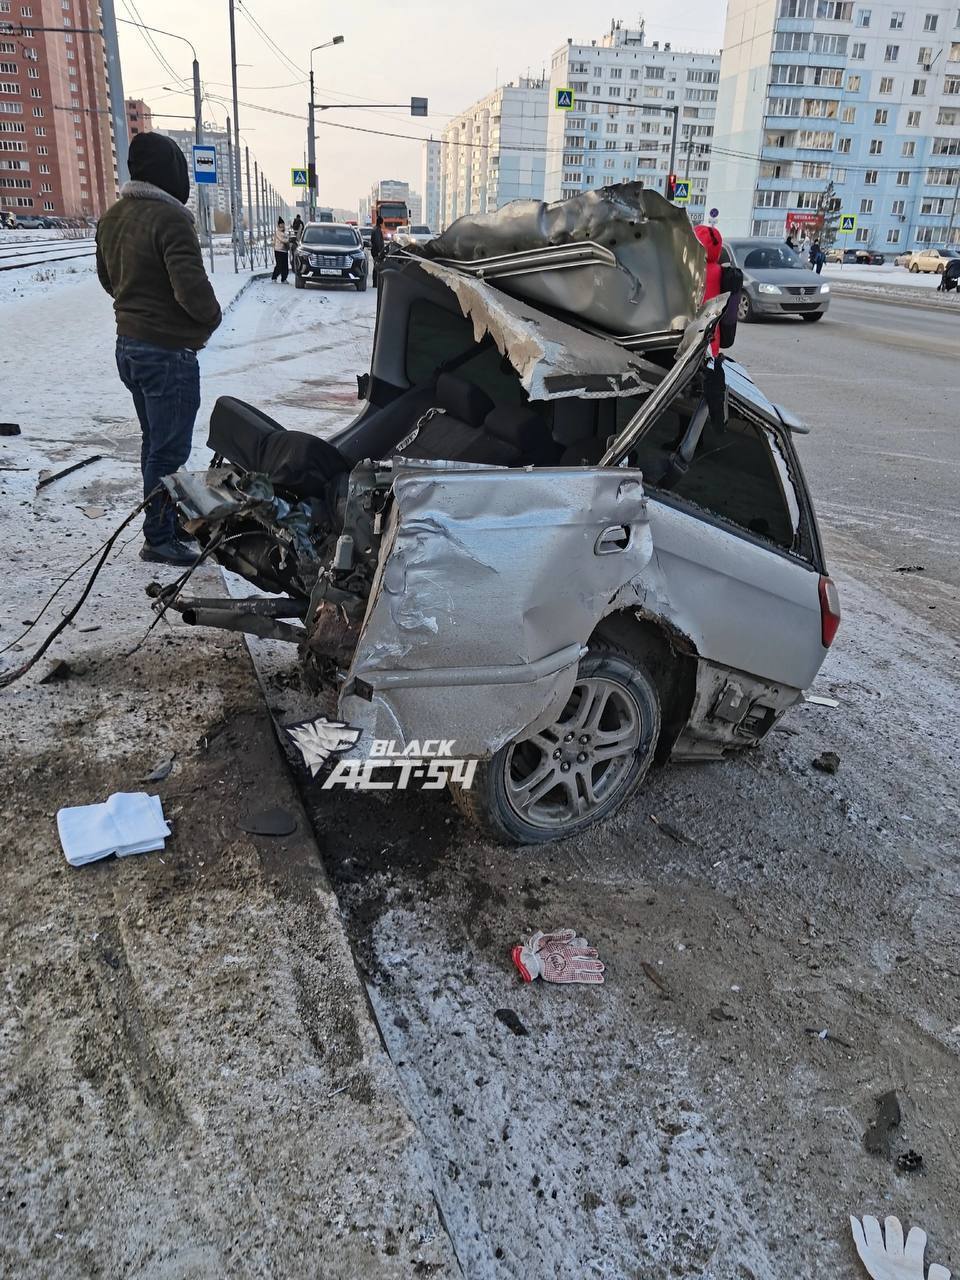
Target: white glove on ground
[[558, 957], [892, 1259]]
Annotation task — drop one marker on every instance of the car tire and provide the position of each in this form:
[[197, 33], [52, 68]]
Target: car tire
[[914, 269], [298, 281], [612, 688], [812, 316], [940, 269], [361, 284], [745, 312]]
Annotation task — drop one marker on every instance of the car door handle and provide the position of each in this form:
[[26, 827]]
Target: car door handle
[[616, 537]]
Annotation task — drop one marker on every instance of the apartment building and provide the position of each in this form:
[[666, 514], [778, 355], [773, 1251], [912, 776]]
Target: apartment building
[[494, 152], [855, 103], [57, 146], [430, 181], [217, 196], [629, 95], [139, 118]]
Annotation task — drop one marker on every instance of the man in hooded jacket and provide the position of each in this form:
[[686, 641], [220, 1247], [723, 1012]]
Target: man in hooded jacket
[[149, 261]]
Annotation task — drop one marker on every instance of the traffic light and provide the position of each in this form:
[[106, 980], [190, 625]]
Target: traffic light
[[671, 185]]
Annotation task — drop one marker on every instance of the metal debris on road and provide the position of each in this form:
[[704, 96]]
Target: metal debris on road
[[668, 830], [820, 700], [827, 762], [270, 822], [910, 568], [824, 1034], [560, 956], [58, 475], [9, 428], [890, 1258], [163, 770], [879, 1135], [511, 1021], [654, 977], [93, 513]]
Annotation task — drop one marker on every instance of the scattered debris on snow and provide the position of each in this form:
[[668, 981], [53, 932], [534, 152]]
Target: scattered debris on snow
[[128, 822]]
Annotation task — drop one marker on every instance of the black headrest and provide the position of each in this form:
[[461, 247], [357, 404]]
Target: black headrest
[[517, 425], [462, 399]]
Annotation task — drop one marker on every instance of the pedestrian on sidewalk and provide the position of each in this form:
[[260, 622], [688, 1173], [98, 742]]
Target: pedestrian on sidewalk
[[378, 250], [297, 226], [281, 252], [149, 261]]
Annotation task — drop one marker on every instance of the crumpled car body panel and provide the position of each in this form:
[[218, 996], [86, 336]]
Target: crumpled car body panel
[[646, 277], [491, 583]]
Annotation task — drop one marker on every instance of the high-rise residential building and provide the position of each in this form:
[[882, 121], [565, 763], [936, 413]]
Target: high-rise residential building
[[139, 117], [834, 101], [57, 145], [430, 176], [628, 96], [494, 151], [217, 195], [415, 205]]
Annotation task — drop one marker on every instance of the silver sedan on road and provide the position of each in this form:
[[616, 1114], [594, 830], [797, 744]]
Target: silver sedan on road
[[776, 281]]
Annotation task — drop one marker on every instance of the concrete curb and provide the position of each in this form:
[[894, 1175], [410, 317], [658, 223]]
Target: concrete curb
[[934, 303]]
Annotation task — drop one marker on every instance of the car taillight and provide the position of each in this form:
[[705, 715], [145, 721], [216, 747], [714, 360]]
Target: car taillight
[[829, 611]]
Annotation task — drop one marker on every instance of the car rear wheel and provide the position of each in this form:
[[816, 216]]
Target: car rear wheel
[[361, 284], [811, 316], [578, 770], [298, 281], [744, 307], [914, 268]]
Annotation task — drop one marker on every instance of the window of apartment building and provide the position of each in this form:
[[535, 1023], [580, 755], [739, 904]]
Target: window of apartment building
[[893, 235], [849, 115], [26, 12], [610, 145], [829, 44], [896, 20], [881, 115], [828, 77], [771, 199], [913, 119], [886, 84], [609, 164], [863, 17], [808, 199], [908, 150], [792, 74], [866, 206], [892, 53], [635, 73], [783, 106], [903, 177], [815, 140], [9, 86], [45, 187], [859, 51], [927, 235], [48, 205], [24, 202], [40, 131], [38, 112], [946, 146], [863, 235], [930, 22], [571, 177], [951, 86], [934, 204], [616, 73], [954, 54], [10, 108], [8, 68], [43, 151], [592, 144], [870, 178], [33, 73], [785, 42], [36, 93], [825, 108], [853, 84], [876, 146], [811, 169], [898, 207], [835, 10], [948, 115], [797, 8], [597, 72], [614, 91]]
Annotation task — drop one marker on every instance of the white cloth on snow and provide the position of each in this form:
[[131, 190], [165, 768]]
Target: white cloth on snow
[[128, 822]]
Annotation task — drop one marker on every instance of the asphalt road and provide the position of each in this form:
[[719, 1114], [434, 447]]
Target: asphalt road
[[878, 384]]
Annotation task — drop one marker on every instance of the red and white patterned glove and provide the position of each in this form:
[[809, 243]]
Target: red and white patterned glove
[[558, 957]]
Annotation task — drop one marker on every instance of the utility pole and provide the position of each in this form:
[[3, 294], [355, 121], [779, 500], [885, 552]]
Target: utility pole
[[236, 123], [203, 204], [311, 156], [673, 137], [256, 189], [233, 200], [953, 211], [686, 171], [246, 154]]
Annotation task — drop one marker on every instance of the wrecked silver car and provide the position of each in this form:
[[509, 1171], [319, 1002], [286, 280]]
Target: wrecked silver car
[[569, 550]]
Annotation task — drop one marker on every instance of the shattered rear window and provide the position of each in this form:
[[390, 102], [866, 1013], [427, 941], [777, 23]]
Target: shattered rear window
[[436, 336]]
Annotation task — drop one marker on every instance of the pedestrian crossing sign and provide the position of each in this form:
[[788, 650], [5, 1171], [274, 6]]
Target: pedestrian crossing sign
[[298, 178], [681, 192], [848, 223], [565, 99]]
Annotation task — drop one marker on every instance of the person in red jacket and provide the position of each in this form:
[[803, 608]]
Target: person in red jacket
[[712, 242]]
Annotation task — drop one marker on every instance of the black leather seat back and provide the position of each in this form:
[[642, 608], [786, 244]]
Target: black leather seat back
[[293, 460], [523, 428]]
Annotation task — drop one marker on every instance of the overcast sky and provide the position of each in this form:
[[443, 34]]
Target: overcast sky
[[450, 52]]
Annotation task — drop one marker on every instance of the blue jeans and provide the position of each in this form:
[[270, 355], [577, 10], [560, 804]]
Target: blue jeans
[[165, 385]]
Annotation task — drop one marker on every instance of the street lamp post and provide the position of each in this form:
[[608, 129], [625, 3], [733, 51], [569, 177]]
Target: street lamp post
[[311, 136]]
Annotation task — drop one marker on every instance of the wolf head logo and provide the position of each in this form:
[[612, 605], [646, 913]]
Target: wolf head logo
[[320, 739]]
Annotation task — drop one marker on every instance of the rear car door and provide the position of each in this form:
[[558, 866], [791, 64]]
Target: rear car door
[[737, 560]]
